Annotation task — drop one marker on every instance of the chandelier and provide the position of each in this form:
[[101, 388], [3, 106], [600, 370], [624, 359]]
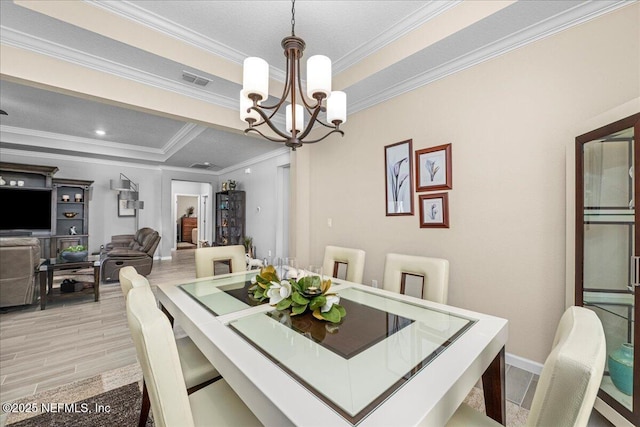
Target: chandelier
[[320, 98]]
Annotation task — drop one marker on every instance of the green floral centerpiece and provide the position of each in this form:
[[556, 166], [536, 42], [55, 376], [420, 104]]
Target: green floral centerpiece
[[74, 253], [305, 292]]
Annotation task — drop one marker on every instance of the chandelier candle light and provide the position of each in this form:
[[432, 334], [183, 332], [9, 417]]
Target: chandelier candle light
[[255, 90]]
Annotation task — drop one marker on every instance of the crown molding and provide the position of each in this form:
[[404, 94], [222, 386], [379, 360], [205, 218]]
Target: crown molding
[[41, 139], [408, 24], [38, 139], [170, 28], [577, 15], [254, 160], [50, 140], [580, 13], [69, 157], [31, 43], [185, 135]]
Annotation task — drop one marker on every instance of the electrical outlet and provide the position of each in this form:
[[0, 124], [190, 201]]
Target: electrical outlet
[[374, 283], [329, 222]]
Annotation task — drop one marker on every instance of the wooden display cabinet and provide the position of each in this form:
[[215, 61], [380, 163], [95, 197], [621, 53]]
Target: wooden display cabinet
[[70, 211]]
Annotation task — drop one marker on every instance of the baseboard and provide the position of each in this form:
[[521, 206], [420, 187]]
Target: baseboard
[[522, 363]]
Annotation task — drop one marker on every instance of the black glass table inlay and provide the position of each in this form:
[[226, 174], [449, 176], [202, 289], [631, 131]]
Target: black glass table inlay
[[242, 293], [361, 328]]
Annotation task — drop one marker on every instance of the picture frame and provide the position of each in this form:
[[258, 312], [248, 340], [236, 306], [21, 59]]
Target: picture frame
[[433, 167], [434, 210], [398, 163], [123, 210]]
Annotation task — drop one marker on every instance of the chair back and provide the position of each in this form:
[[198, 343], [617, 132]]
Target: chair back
[[158, 355], [125, 276], [353, 258], [434, 273], [572, 373], [207, 257], [146, 240], [130, 279]]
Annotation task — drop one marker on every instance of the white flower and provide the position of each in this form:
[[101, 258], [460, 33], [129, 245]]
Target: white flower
[[278, 291], [332, 299], [253, 280], [292, 273]]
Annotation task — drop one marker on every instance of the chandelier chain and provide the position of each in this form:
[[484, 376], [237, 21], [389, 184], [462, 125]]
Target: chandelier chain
[[293, 17]]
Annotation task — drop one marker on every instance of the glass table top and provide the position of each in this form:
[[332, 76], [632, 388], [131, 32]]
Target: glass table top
[[356, 365], [223, 295]]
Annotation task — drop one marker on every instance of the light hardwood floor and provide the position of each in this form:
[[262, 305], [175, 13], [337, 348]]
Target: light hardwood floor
[[73, 339]]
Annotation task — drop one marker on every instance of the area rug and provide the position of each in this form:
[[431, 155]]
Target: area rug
[[117, 407]]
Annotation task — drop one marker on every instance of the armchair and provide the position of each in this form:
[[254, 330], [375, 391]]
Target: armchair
[[19, 261], [135, 250]]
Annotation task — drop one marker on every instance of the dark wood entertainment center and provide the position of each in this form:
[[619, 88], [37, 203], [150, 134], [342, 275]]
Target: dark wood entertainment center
[[69, 206]]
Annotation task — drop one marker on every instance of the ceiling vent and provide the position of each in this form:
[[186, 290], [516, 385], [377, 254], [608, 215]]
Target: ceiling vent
[[204, 165], [192, 78]]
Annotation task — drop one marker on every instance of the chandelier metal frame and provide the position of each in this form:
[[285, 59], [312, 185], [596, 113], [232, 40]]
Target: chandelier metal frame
[[293, 50]]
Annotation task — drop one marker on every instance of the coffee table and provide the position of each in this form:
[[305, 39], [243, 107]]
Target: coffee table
[[49, 266]]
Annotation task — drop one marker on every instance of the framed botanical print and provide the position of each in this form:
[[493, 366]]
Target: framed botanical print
[[123, 210], [434, 210], [398, 164], [433, 168]]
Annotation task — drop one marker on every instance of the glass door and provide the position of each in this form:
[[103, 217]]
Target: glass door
[[606, 249]]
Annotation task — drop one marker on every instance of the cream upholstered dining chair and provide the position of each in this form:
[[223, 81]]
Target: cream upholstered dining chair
[[335, 257], [570, 377], [432, 272], [197, 371], [213, 405], [207, 257]]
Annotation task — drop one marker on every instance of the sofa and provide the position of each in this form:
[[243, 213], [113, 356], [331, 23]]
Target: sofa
[[19, 261], [134, 250]]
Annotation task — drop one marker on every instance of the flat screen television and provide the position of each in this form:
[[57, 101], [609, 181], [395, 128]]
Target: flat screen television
[[25, 209]]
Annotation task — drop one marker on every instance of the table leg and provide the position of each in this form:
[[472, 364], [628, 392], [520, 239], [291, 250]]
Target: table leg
[[96, 282], [49, 281], [494, 394], [43, 289], [166, 312]]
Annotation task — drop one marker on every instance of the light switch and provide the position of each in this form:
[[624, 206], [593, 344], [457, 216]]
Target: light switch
[[329, 222]]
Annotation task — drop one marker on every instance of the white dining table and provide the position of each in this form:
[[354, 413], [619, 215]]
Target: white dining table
[[395, 360]]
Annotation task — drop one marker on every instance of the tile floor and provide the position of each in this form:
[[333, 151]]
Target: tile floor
[[521, 385]]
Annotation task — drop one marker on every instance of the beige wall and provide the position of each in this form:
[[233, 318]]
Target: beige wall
[[509, 121]]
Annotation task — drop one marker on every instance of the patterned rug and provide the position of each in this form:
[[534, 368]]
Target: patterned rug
[[118, 407]]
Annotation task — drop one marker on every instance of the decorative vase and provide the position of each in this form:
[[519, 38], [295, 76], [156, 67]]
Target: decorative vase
[[621, 368]]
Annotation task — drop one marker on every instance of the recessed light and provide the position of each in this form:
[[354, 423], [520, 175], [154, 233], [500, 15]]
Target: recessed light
[[100, 132]]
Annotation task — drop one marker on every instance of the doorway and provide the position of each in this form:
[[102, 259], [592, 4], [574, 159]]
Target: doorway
[[187, 213], [191, 214]]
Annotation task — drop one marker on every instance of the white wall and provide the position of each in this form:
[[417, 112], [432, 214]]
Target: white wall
[[261, 186], [508, 120]]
